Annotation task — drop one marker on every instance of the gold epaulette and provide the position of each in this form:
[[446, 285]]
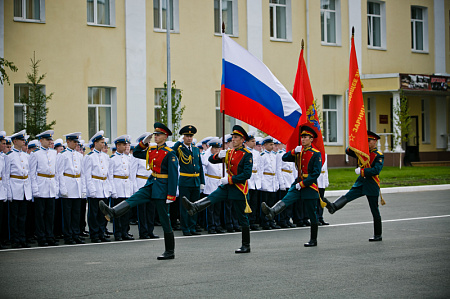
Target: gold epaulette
[[168, 148], [245, 149], [315, 150], [379, 153]]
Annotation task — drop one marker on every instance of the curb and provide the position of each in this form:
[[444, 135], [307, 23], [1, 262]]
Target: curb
[[397, 189]]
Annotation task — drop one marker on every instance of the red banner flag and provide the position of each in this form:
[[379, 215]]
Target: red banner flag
[[304, 96], [357, 131]]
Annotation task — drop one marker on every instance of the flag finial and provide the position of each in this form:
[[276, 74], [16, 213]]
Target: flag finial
[[353, 31], [303, 43]]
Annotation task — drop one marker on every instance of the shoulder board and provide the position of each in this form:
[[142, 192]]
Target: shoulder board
[[379, 153], [63, 151], [90, 153], [262, 154], [36, 150], [246, 150], [152, 147], [112, 156], [9, 152], [315, 150], [168, 149]]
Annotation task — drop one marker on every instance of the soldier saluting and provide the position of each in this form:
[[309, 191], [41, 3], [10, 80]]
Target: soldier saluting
[[234, 187], [161, 186]]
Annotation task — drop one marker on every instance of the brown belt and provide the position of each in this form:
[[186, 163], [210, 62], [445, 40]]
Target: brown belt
[[305, 175], [49, 176], [99, 177], [213, 176], [286, 170], [0, 179], [192, 175], [74, 176], [141, 177], [254, 171], [268, 173], [322, 171], [18, 177], [160, 175], [123, 177]]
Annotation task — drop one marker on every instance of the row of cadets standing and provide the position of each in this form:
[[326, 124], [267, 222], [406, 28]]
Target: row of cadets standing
[[72, 189], [3, 190], [145, 211], [121, 184], [191, 179], [161, 186], [96, 166], [254, 183]]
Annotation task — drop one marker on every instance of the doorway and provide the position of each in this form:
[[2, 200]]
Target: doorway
[[412, 144]]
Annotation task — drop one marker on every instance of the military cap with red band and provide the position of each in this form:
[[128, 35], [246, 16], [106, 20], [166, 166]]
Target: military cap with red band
[[372, 135], [161, 129], [308, 129], [238, 130]]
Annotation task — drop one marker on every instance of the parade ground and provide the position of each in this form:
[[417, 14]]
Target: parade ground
[[412, 261]]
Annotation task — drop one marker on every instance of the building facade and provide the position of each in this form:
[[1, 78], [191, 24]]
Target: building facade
[[105, 61]]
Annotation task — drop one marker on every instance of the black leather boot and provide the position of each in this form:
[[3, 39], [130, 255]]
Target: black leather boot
[[273, 211], [313, 241], [336, 205], [114, 212], [169, 242], [195, 207], [377, 231], [245, 248]]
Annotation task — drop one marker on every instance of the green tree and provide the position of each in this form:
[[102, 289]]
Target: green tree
[[35, 102], [177, 109], [403, 128], [3, 65]]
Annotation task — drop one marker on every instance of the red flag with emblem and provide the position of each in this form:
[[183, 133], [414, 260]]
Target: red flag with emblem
[[304, 96], [357, 131]]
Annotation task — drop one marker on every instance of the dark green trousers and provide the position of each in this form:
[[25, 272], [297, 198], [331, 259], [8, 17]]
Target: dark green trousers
[[310, 205], [222, 194]]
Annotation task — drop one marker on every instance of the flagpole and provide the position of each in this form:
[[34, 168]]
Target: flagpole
[[300, 131], [169, 84], [223, 115]]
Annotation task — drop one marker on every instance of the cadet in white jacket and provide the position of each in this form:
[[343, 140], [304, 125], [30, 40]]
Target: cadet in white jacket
[[2, 182], [18, 186], [254, 183], [322, 183], [269, 179], [72, 188], [96, 169], [286, 171], [45, 187], [121, 185]]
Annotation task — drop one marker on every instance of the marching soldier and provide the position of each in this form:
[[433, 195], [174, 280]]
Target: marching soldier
[[145, 211], [368, 183], [161, 187], [309, 162], [45, 187], [18, 186], [269, 179], [254, 183], [97, 186], [191, 179], [234, 187], [72, 189], [121, 186]]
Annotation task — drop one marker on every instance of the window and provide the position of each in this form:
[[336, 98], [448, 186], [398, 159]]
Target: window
[[159, 94], [280, 19], [332, 113], [330, 17], [370, 106], [101, 12], [425, 115], [229, 121], [419, 29], [376, 25], [159, 15], [226, 11], [100, 104], [20, 110], [29, 10]]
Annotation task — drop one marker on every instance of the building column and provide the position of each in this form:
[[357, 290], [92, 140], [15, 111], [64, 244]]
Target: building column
[[354, 12], [441, 123], [136, 67], [396, 122], [439, 37], [2, 54]]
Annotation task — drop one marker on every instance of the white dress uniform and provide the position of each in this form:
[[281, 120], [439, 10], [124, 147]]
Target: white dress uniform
[[213, 174], [139, 173], [69, 171], [286, 171], [3, 192], [322, 180], [119, 176], [43, 172], [269, 177], [254, 182]]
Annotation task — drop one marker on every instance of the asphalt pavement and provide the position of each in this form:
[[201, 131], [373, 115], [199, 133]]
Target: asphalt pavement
[[412, 261]]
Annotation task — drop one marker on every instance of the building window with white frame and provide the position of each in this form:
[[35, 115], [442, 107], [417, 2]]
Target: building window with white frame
[[29, 10], [419, 29], [370, 106], [226, 11], [101, 12], [331, 104], [100, 104], [376, 24], [159, 15], [229, 121], [20, 110], [425, 115], [159, 94], [280, 20], [330, 18]]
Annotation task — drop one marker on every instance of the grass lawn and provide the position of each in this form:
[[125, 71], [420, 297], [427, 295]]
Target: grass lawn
[[343, 178]]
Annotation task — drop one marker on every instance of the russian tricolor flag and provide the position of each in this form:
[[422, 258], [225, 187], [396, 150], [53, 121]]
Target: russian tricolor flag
[[251, 93]]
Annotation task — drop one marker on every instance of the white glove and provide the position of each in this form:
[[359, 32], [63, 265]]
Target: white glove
[[358, 170], [298, 148], [297, 186], [224, 181], [114, 195], [65, 194], [147, 139], [83, 194], [202, 187], [169, 201], [222, 154]]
